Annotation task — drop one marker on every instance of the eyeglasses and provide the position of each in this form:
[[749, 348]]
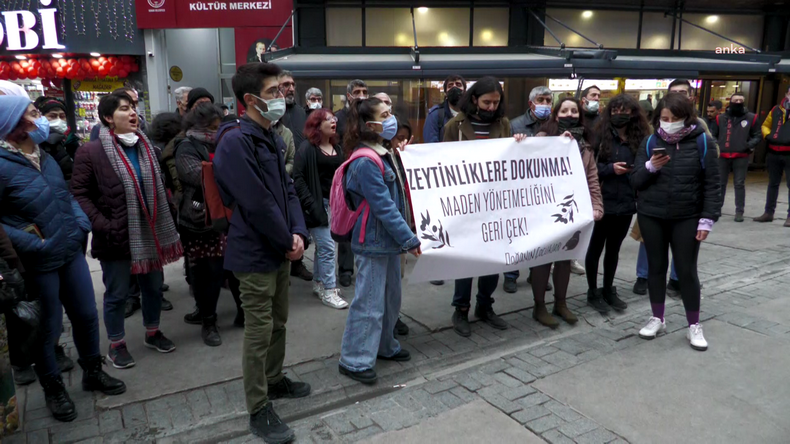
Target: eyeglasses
[[331, 119], [274, 91], [34, 113], [287, 85]]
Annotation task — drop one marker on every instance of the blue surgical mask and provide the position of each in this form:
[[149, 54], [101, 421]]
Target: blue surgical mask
[[389, 128], [542, 112], [41, 133]]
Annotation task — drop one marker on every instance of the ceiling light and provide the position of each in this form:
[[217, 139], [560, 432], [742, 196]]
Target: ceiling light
[[487, 35], [422, 9], [712, 19], [57, 56], [401, 39], [95, 54], [587, 14], [443, 36], [21, 57], [722, 86]]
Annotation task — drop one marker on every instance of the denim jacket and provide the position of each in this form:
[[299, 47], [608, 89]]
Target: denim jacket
[[387, 231]]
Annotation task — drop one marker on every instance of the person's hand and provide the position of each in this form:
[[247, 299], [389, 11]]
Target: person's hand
[[402, 145], [568, 135], [416, 252], [702, 235], [659, 161], [621, 168], [597, 215], [520, 137], [297, 250]]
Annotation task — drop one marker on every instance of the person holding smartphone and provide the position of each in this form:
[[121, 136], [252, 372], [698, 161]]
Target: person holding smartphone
[[676, 177], [618, 135]]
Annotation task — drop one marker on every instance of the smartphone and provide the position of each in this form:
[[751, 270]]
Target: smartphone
[[660, 151], [630, 166]]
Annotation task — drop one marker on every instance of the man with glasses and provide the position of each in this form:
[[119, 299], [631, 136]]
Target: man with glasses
[[267, 232], [314, 100]]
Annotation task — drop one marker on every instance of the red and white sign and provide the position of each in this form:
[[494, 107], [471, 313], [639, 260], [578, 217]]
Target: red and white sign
[[169, 14]]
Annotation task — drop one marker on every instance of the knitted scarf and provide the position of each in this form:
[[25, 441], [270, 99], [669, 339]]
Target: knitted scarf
[[153, 240], [677, 137]]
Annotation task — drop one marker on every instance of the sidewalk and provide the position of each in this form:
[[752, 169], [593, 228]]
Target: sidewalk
[[598, 367]]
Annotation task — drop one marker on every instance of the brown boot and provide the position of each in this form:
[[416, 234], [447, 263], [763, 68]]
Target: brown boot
[[541, 314], [561, 310], [787, 222], [766, 217]]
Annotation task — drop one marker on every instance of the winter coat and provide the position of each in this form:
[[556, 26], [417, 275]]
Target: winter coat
[[61, 148], [294, 119], [526, 124], [776, 129], [249, 166], [459, 128], [618, 195], [737, 136], [342, 122], [308, 185], [7, 252], [167, 163], [681, 189], [190, 154], [438, 116], [40, 200], [290, 149]]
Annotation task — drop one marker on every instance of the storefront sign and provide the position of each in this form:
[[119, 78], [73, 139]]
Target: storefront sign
[[506, 206], [211, 14], [649, 84], [176, 74], [573, 84], [107, 85], [24, 32]]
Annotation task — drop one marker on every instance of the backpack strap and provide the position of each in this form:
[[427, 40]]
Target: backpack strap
[[648, 148], [702, 146], [372, 155]]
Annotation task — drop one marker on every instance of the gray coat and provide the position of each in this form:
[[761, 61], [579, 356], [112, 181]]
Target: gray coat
[[526, 124]]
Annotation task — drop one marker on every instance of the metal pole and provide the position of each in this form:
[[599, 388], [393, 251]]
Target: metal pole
[[414, 28], [680, 27], [717, 34], [600, 46], [282, 28], [639, 31], [562, 45]]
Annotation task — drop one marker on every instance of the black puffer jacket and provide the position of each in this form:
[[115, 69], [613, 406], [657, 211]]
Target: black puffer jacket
[[189, 156], [618, 195], [681, 189], [61, 148]]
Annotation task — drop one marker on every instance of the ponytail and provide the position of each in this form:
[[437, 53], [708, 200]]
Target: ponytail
[[361, 111]]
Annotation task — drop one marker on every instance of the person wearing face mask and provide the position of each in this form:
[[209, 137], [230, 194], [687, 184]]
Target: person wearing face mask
[[776, 131], [568, 121], [314, 99], [623, 127], [369, 333], [267, 231], [482, 116], [119, 185], [676, 177], [48, 229], [295, 116], [61, 144], [204, 247], [738, 135], [439, 115], [591, 102]]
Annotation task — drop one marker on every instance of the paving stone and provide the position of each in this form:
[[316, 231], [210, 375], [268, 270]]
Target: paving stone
[[198, 402], [129, 435], [394, 419], [37, 414], [42, 423], [528, 358], [431, 404], [521, 375], [589, 355], [563, 411], [518, 392], [508, 381], [217, 397], [546, 370], [133, 416], [570, 346], [543, 351], [545, 423], [17, 438], [464, 394], [555, 437], [339, 422], [561, 359], [535, 399], [579, 427], [75, 431], [531, 413], [307, 367], [95, 440], [498, 401], [110, 421], [449, 400], [483, 378], [38, 437], [434, 387], [35, 400], [494, 367], [359, 435], [597, 436]]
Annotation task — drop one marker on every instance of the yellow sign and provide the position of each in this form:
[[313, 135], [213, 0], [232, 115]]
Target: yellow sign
[[106, 85], [176, 74], [81, 112]]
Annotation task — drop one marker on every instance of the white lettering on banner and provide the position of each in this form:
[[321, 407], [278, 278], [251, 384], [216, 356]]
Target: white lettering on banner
[[251, 5], [233, 6], [19, 24], [208, 6], [504, 207]]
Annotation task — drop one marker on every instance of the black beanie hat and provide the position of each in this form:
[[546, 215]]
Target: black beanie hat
[[50, 104], [197, 94]]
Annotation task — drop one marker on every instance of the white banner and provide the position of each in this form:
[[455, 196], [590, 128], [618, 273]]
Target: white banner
[[490, 206]]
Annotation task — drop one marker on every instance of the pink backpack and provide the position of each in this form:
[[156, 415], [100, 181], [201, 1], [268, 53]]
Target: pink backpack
[[342, 217]]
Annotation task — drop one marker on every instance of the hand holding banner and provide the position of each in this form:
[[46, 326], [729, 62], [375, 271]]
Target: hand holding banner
[[490, 206]]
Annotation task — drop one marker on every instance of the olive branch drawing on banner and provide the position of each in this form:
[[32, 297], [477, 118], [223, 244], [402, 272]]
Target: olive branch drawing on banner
[[433, 232], [566, 214]]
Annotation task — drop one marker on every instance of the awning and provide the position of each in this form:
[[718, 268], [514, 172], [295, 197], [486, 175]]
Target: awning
[[655, 66]]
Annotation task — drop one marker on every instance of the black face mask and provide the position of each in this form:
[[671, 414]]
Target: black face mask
[[620, 120], [454, 96], [737, 109], [566, 123], [486, 116]]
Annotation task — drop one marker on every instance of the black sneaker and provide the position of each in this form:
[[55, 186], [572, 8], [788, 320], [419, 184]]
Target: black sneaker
[[673, 289], [510, 285], [640, 287], [401, 328], [611, 298], [287, 388], [65, 364], [345, 280], [165, 288], [401, 356], [210, 332], [193, 318], [132, 305], [159, 342], [299, 270], [58, 400], [24, 375], [437, 282], [595, 300], [366, 377], [166, 305], [267, 425], [461, 322], [488, 316], [239, 321], [94, 378], [120, 356], [549, 287]]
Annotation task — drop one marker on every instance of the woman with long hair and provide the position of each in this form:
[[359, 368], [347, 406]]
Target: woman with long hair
[[622, 128], [313, 170], [567, 119], [374, 311], [48, 230], [676, 177]]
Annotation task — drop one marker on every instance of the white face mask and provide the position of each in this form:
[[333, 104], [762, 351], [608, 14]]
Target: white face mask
[[58, 126], [672, 127], [128, 139], [592, 106], [316, 105]]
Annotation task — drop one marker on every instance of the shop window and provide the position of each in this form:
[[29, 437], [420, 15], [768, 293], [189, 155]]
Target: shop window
[[388, 27], [656, 31], [344, 27], [612, 29], [491, 26], [435, 27], [747, 29]]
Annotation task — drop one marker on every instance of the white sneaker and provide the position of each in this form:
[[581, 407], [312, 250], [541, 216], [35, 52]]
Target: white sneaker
[[576, 267], [696, 338], [331, 298], [653, 327], [318, 289]]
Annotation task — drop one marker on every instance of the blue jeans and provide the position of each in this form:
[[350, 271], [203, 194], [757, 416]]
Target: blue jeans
[[373, 313], [68, 287], [641, 264], [486, 286], [512, 275], [116, 276], [324, 259]]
